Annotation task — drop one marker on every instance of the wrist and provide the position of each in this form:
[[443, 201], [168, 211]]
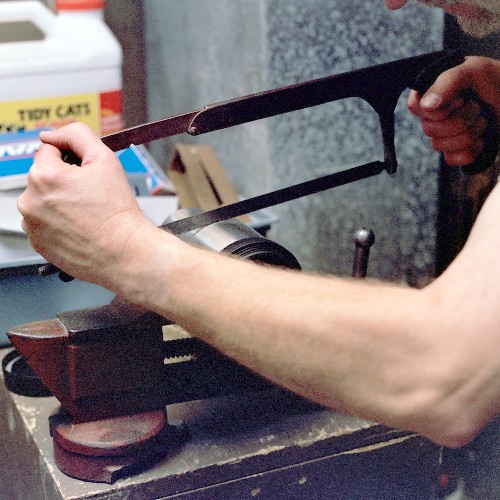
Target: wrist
[[149, 266]]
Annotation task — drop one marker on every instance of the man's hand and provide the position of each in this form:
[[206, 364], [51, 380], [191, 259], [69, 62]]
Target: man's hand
[[456, 126], [79, 218]]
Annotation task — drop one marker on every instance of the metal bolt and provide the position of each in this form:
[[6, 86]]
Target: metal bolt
[[363, 239]]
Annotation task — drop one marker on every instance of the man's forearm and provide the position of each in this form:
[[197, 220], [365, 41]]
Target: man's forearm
[[365, 349]]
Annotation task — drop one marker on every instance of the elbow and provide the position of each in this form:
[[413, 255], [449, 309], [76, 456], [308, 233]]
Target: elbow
[[451, 410], [453, 419], [443, 421], [456, 393], [453, 427], [454, 434]]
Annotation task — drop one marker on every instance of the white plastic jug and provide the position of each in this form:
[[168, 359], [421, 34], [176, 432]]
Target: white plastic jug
[[73, 73]]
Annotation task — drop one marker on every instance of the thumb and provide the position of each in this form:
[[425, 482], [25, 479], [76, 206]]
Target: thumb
[[76, 137], [447, 87], [476, 73]]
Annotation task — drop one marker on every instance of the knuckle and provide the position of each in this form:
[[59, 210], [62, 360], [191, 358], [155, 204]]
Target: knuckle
[[428, 129], [481, 63], [42, 148], [437, 144], [76, 126], [41, 177], [36, 175], [21, 204], [413, 109]]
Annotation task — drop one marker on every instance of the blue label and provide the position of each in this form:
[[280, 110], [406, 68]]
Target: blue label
[[17, 151]]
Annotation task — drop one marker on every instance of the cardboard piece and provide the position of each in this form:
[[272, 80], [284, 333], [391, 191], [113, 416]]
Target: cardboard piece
[[199, 178]]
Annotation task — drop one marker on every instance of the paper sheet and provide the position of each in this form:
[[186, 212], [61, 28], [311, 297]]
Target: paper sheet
[[155, 208]]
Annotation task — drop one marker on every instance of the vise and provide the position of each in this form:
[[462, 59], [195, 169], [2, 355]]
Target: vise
[[116, 368]]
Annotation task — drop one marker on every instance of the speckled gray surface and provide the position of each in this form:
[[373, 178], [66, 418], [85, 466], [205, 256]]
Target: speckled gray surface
[[205, 51]]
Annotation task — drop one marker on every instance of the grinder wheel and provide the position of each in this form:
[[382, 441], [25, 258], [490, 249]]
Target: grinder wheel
[[106, 450]]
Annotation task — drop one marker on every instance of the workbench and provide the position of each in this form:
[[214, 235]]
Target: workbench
[[261, 445]]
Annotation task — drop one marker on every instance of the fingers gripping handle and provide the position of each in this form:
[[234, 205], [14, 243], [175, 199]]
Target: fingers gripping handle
[[67, 156], [491, 136]]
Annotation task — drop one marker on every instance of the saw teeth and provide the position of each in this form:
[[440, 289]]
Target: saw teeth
[[174, 332], [179, 359], [179, 345]]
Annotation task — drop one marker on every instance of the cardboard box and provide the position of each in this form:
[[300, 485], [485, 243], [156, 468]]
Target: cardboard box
[[199, 178]]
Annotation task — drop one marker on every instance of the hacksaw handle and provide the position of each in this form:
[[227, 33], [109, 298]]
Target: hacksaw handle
[[70, 157], [491, 135]]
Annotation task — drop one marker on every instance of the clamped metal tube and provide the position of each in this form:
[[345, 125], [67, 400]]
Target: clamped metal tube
[[236, 238]]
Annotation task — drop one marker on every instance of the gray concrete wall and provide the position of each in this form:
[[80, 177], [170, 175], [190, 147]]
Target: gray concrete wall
[[205, 51]]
